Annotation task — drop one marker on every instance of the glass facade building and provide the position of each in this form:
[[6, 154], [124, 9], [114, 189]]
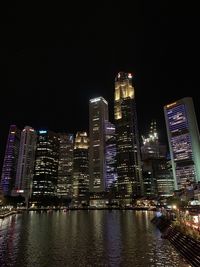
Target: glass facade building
[[81, 169], [184, 142], [46, 165], [65, 166]]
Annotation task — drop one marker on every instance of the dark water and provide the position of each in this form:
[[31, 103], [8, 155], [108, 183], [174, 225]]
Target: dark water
[[84, 238]]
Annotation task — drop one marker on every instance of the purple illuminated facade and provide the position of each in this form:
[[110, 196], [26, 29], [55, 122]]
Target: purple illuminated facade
[[10, 160], [110, 155]]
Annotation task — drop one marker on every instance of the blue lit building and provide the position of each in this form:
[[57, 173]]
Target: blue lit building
[[184, 142], [9, 170]]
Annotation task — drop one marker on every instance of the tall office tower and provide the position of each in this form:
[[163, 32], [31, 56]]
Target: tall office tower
[[157, 178], [80, 168], [151, 147], [184, 142], [25, 167], [98, 114], [110, 155], [128, 152], [10, 160], [65, 166], [46, 165]]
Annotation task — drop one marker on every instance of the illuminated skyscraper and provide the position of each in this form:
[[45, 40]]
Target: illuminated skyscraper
[[157, 176], [184, 142], [65, 166], [25, 167], [110, 155], [10, 160], [127, 141], [98, 114], [46, 165], [151, 147], [80, 168]]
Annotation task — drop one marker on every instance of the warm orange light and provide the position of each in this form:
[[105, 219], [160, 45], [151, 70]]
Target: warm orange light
[[170, 105]]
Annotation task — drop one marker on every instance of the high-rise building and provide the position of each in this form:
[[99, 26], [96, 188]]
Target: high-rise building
[[110, 155], [164, 177], [80, 168], [98, 114], [10, 160], [46, 165], [128, 152], [26, 160], [65, 166], [151, 147], [157, 177], [184, 141]]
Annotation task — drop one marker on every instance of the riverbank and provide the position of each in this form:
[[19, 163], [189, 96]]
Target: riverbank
[[187, 246], [93, 208], [8, 213]]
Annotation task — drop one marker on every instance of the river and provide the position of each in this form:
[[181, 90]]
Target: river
[[84, 238]]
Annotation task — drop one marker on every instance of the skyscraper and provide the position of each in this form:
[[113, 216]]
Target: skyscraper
[[110, 155], [10, 160], [25, 167], [98, 114], [80, 168], [157, 176], [65, 166], [151, 147], [46, 165], [127, 141], [184, 142]]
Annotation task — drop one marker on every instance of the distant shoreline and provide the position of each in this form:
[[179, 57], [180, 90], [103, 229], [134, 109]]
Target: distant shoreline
[[2, 216]]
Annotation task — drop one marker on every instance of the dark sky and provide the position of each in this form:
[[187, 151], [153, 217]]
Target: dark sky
[[55, 58]]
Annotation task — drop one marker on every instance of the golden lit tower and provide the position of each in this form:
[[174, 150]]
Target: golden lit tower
[[127, 141]]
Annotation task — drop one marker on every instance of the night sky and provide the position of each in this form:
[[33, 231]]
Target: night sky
[[55, 58]]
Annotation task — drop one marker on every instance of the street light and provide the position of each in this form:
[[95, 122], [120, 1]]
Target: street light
[[174, 207]]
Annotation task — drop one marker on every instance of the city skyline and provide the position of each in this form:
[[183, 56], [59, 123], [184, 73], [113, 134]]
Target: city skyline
[[99, 134], [162, 130], [45, 66]]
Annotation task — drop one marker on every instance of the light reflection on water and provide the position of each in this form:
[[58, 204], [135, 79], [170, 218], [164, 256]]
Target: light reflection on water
[[84, 238]]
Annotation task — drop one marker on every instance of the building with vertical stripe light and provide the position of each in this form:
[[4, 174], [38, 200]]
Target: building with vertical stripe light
[[98, 115], [25, 167]]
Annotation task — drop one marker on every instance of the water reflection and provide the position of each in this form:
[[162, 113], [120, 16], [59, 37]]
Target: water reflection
[[9, 240], [84, 238]]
